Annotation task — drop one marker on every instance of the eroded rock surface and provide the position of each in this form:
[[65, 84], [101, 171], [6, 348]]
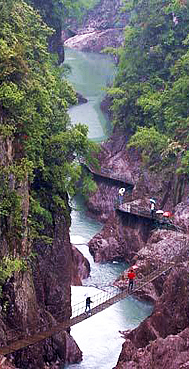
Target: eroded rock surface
[[96, 40], [161, 341], [103, 26], [80, 267], [171, 352], [120, 239]]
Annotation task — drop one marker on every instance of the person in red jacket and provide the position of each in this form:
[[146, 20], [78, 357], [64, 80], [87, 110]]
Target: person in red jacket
[[131, 275]]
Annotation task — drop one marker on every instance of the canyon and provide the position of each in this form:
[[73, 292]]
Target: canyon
[[161, 340], [38, 296]]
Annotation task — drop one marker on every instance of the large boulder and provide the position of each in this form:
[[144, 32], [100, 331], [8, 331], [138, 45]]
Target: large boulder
[[80, 267], [171, 352], [96, 40]]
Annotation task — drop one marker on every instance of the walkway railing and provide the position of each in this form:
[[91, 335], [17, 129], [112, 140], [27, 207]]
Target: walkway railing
[[101, 301], [129, 208], [159, 222], [108, 173]]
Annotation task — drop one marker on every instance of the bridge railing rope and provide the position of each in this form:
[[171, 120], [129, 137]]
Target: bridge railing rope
[[97, 299]]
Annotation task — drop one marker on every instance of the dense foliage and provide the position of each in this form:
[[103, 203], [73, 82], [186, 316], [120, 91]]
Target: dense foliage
[[152, 86], [34, 101]]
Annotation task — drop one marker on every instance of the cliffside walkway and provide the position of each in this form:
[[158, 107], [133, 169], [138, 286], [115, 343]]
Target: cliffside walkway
[[109, 174], [129, 208], [158, 221], [101, 301]]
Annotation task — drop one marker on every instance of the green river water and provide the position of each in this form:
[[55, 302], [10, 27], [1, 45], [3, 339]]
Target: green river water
[[98, 337]]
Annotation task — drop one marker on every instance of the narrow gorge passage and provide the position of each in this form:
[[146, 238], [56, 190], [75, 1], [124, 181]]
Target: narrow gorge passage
[[98, 337]]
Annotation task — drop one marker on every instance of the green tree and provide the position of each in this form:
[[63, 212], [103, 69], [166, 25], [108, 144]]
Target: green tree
[[153, 43], [58, 13], [151, 86], [151, 143], [34, 102]]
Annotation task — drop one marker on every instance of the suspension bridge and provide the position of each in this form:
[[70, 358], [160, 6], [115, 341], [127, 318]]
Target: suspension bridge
[[101, 301]]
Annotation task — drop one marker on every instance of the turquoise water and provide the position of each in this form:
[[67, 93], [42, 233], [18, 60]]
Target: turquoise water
[[91, 74], [98, 337]]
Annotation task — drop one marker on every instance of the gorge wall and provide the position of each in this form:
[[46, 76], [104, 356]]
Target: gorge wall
[[37, 296], [103, 26], [161, 340]]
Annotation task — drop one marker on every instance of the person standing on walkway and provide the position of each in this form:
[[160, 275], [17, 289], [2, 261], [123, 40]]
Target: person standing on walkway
[[121, 195], [152, 207], [131, 276], [88, 305]]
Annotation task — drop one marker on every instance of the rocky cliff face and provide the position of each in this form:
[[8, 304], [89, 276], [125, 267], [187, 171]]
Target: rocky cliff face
[[123, 234], [101, 27], [38, 296], [161, 341]]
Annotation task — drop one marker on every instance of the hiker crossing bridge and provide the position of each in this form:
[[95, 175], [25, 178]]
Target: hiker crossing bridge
[[101, 301]]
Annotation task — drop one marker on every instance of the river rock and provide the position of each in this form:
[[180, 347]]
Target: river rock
[[119, 239], [80, 269], [171, 352], [81, 99], [96, 40]]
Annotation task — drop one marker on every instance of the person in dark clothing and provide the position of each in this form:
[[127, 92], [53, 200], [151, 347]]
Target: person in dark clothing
[[152, 209], [131, 275], [88, 305]]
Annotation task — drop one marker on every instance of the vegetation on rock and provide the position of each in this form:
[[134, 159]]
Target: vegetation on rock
[[150, 93], [58, 13], [43, 147]]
